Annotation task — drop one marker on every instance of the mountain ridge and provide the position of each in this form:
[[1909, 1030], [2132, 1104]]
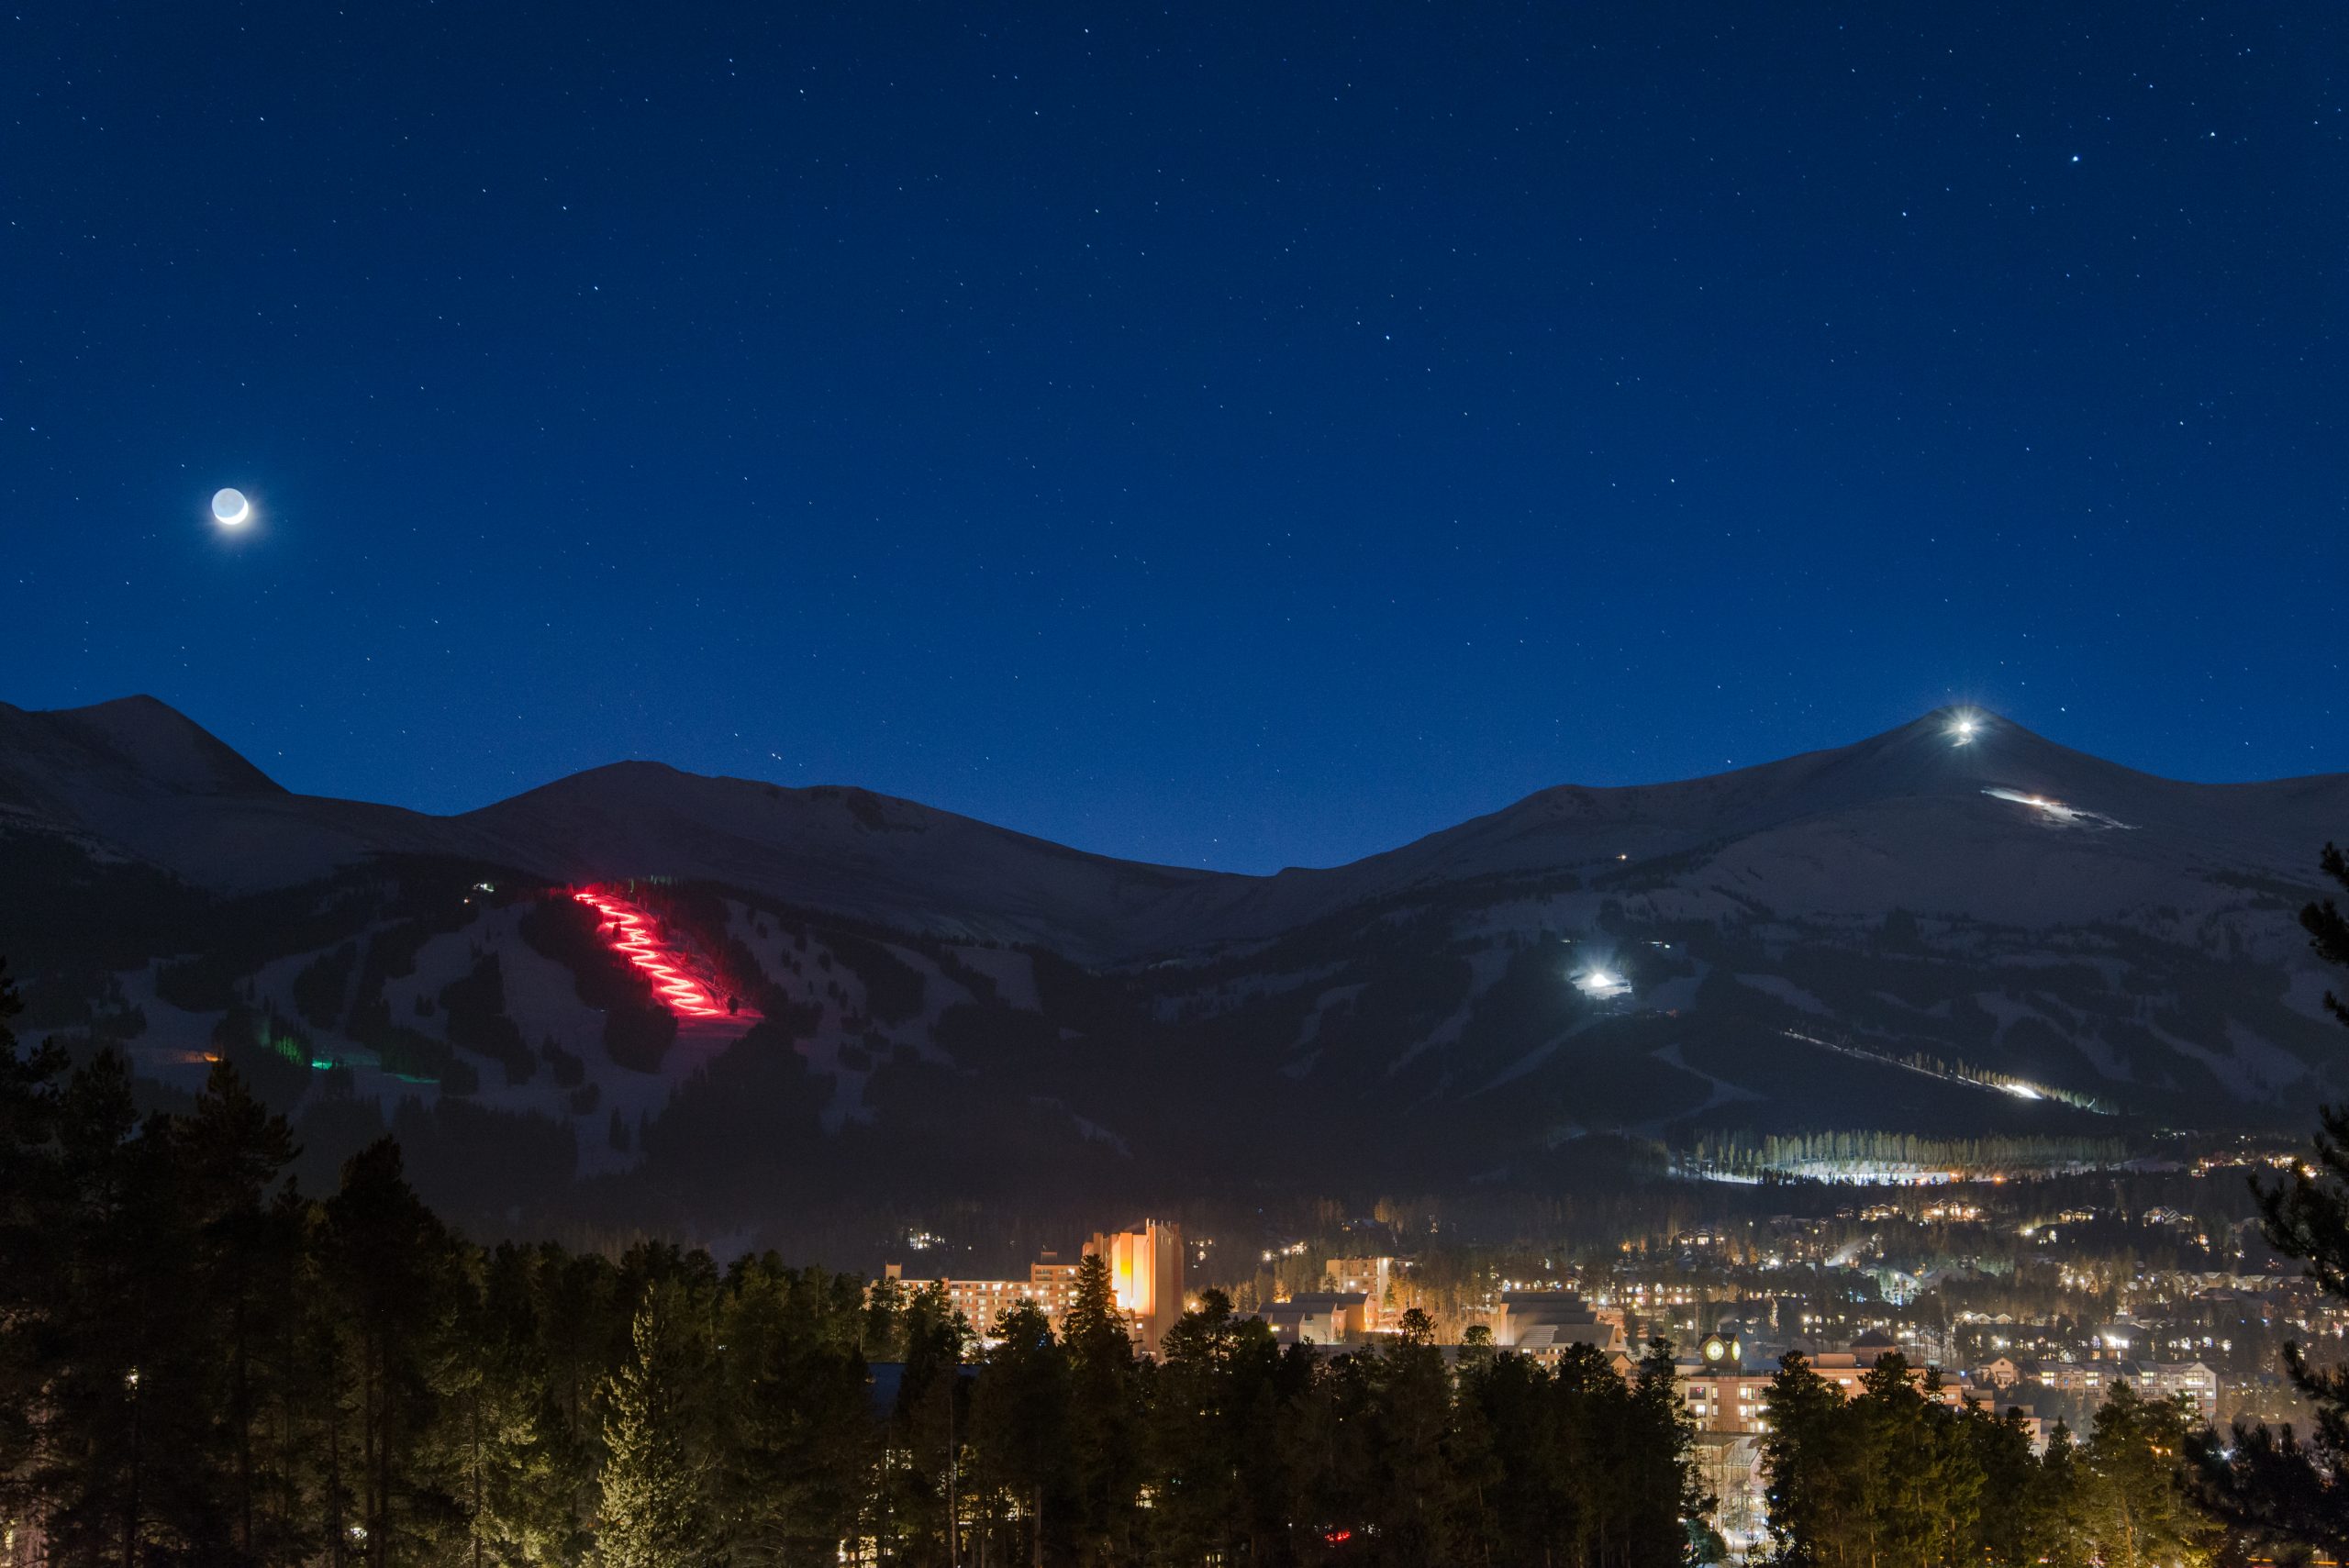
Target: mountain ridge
[[156, 785], [1955, 928]]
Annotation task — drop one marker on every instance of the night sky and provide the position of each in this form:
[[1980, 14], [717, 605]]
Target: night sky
[[1241, 436]]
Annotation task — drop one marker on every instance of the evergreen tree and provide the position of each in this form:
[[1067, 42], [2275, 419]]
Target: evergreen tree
[[1019, 1428], [2048, 1507], [658, 1486], [2134, 1512], [1666, 1501], [922, 1497], [1419, 1514], [1521, 1496], [110, 1336], [884, 1327], [390, 1273], [518, 1467], [1805, 1460], [233, 1152], [32, 1200], [800, 1443], [1210, 1403], [1105, 1455], [2021, 1506], [1472, 1453]]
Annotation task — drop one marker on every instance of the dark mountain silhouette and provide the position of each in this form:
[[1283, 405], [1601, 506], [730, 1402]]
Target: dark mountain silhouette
[[1936, 930]]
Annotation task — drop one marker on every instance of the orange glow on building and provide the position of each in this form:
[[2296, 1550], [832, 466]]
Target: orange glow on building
[[1145, 1275], [1146, 1269]]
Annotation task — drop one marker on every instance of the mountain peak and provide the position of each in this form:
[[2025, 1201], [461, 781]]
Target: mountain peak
[[144, 737], [1958, 751], [167, 747]]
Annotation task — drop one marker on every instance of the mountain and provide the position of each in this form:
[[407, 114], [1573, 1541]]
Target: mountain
[[140, 781], [1956, 929]]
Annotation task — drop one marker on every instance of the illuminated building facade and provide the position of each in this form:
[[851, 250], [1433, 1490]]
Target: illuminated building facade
[[1050, 1284], [1367, 1277], [1146, 1278], [1542, 1323], [2080, 1380], [1322, 1318], [1145, 1275], [2190, 1381]]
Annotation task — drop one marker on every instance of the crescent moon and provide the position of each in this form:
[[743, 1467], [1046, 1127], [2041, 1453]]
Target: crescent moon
[[229, 507]]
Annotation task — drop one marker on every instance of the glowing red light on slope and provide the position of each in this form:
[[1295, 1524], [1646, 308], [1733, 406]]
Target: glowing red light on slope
[[631, 939]]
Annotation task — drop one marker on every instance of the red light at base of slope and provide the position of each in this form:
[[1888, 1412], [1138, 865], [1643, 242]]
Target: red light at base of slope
[[631, 938]]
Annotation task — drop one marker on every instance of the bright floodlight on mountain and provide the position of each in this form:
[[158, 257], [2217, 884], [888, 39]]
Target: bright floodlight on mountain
[[1964, 727], [1599, 984]]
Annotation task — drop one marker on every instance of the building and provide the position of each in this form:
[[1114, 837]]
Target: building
[[1323, 1318], [1145, 1280], [1369, 1277], [1724, 1402], [2190, 1381], [1543, 1323], [2113, 1340], [1731, 1469], [1050, 1284], [1146, 1276], [2083, 1381]]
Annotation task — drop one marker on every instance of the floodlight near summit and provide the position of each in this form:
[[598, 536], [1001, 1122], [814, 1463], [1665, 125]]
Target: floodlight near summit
[[1964, 726], [1600, 984]]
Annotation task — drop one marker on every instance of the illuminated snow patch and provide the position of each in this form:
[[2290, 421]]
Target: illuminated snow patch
[[2056, 813]]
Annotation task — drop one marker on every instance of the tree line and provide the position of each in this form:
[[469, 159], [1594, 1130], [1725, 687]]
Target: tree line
[[1895, 1478], [201, 1364], [1859, 1152]]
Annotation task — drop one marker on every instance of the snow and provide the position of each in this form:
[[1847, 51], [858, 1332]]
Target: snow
[[1808, 851]]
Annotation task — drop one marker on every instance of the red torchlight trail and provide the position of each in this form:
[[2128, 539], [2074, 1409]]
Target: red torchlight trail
[[632, 940]]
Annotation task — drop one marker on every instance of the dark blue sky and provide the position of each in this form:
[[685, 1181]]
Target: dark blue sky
[[1237, 436]]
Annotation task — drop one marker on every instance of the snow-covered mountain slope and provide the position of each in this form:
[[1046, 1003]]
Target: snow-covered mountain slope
[[1957, 926], [1915, 817], [2008, 825], [869, 855]]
